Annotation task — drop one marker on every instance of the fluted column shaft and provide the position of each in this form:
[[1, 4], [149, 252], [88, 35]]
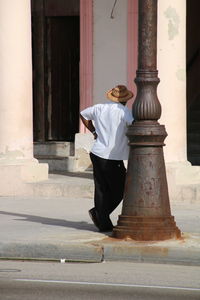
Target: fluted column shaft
[[147, 105]]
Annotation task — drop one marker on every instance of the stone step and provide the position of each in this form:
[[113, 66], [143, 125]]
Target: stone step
[[185, 193], [65, 184], [54, 148], [59, 163], [81, 185]]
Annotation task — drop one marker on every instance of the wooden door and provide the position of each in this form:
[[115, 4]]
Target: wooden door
[[62, 78]]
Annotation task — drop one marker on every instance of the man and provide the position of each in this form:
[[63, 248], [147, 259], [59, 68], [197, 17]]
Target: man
[[108, 152]]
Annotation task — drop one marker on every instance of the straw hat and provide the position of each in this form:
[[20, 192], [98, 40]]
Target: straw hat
[[120, 93]]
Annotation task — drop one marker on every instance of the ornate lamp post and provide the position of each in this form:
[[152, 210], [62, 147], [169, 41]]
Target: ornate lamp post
[[146, 211]]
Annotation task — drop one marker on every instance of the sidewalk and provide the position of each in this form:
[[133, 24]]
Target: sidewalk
[[60, 229]]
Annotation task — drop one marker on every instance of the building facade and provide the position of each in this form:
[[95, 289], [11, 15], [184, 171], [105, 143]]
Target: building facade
[[58, 57]]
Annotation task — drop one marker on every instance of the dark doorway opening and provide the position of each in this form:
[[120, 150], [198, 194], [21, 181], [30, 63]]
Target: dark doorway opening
[[62, 78], [56, 48], [193, 78]]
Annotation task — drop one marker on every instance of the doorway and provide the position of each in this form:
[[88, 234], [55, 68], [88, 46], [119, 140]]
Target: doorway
[[62, 78], [56, 48], [193, 87]]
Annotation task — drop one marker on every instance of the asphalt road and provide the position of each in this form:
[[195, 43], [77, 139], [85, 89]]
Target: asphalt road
[[51, 290], [37, 280]]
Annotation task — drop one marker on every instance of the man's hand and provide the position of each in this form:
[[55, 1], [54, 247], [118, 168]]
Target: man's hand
[[89, 125]]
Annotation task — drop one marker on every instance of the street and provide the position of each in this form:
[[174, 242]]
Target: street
[[107, 280]]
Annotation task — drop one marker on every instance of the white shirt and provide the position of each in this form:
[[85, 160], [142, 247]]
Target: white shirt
[[110, 120]]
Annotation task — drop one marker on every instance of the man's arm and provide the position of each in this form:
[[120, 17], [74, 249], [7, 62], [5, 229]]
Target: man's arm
[[89, 125]]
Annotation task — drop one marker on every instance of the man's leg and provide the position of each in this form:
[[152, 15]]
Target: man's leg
[[101, 196], [115, 175]]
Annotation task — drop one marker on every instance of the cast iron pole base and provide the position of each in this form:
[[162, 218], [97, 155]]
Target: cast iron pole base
[[146, 214], [146, 228]]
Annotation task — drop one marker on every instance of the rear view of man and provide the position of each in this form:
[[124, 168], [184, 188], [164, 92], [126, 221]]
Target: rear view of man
[[108, 123]]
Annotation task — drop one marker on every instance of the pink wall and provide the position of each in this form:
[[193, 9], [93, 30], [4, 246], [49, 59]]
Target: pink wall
[[86, 51], [86, 55]]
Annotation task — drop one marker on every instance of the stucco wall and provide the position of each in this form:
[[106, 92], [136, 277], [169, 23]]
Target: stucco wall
[[172, 73], [110, 46]]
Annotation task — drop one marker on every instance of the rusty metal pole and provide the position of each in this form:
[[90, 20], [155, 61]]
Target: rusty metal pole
[[146, 214]]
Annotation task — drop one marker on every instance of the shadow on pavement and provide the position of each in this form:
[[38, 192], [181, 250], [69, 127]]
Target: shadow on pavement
[[82, 225]]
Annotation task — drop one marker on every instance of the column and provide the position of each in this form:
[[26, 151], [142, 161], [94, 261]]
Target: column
[[16, 124], [172, 70], [172, 94], [84, 139]]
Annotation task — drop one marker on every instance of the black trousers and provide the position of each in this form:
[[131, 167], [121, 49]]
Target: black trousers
[[109, 181]]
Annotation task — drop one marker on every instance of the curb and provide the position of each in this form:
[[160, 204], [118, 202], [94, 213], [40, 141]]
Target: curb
[[70, 252], [97, 253], [151, 254]]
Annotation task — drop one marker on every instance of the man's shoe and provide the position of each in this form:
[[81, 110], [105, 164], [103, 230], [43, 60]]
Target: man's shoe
[[93, 216], [106, 229]]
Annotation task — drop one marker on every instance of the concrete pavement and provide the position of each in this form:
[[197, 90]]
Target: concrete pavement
[[59, 228]]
